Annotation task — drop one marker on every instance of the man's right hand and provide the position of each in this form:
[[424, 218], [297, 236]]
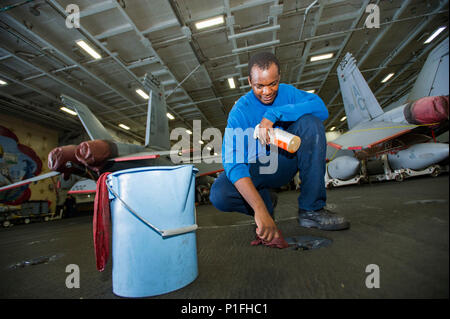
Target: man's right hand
[[266, 227]]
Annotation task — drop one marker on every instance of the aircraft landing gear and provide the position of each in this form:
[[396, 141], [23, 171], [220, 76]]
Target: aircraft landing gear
[[436, 172]]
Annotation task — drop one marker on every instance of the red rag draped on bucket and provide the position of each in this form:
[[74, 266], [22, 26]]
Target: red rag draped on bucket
[[102, 223]]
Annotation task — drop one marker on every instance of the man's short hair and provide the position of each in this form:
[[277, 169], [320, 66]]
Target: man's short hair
[[262, 60]]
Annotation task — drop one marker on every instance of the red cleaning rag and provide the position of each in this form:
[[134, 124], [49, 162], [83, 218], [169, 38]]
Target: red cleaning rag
[[101, 223], [275, 243]]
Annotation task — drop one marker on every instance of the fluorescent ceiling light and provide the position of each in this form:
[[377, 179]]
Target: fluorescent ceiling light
[[88, 49], [124, 126], [215, 153], [208, 148], [170, 116], [310, 91], [142, 93], [209, 22], [189, 132], [231, 83], [65, 109], [434, 35], [333, 128], [343, 118], [387, 77], [321, 57], [201, 142], [3, 82]]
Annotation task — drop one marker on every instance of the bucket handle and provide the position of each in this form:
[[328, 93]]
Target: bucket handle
[[163, 233]]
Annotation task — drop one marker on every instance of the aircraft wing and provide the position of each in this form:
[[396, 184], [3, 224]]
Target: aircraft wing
[[84, 186], [142, 156], [368, 134], [209, 165], [28, 181], [206, 165]]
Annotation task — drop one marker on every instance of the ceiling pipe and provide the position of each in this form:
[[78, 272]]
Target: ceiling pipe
[[7, 8], [54, 116], [301, 33], [375, 44], [111, 124], [201, 60], [187, 77], [307, 48], [332, 34], [60, 81], [255, 46], [67, 58], [274, 21], [73, 62], [305, 15], [253, 32], [230, 25], [347, 38], [145, 42], [33, 115]]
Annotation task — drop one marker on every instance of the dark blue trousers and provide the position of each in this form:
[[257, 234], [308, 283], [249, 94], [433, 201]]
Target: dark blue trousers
[[309, 160]]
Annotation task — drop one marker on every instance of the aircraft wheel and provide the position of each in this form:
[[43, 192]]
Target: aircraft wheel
[[399, 178], [6, 223], [46, 219], [435, 172], [198, 196], [27, 221]]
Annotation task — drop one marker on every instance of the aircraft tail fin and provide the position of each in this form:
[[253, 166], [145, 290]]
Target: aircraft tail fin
[[91, 124], [433, 78], [359, 102], [157, 130]]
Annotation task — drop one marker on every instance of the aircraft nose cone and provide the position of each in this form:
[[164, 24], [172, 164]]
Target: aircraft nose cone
[[441, 150], [343, 167]]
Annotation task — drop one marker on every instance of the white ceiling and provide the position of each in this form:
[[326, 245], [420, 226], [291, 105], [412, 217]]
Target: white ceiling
[[40, 60]]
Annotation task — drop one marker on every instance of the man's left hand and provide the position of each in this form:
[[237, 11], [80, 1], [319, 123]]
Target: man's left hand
[[265, 128]]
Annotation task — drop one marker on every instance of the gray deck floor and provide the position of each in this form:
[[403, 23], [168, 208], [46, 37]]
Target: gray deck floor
[[401, 227]]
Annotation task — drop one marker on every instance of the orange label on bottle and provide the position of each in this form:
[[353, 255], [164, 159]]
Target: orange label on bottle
[[281, 144]]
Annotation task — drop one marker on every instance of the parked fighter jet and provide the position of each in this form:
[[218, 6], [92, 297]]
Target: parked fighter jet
[[104, 154], [402, 137]]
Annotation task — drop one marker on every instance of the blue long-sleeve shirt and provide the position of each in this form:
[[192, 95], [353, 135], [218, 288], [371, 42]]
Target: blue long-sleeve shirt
[[239, 148]]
